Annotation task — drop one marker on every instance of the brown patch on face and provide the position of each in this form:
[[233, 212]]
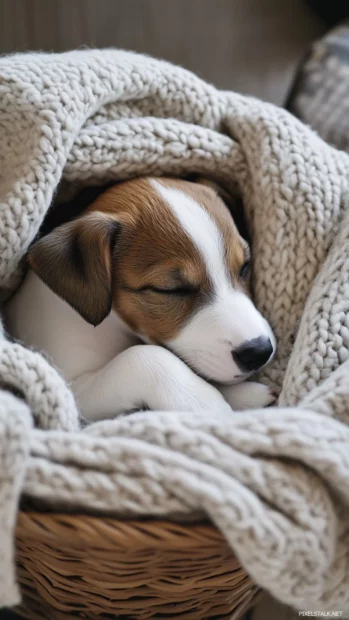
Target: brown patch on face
[[153, 254]]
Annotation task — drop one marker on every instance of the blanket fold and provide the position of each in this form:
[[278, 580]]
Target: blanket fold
[[275, 481]]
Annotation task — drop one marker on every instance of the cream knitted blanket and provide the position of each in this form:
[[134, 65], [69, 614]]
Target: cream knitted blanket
[[275, 481]]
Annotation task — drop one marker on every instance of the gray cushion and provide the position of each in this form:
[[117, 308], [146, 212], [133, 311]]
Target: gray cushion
[[320, 94]]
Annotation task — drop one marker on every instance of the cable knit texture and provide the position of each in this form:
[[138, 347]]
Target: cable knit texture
[[274, 481]]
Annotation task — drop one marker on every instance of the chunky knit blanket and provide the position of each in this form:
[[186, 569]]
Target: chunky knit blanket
[[274, 481]]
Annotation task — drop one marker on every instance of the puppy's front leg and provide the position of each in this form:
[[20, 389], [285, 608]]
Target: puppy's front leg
[[145, 376]]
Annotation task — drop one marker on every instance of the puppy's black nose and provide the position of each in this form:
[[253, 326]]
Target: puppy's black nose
[[253, 354]]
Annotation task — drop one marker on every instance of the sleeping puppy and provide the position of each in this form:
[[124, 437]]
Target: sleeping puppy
[[156, 261]]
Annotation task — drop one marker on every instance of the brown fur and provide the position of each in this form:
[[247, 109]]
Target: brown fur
[[75, 262], [128, 242]]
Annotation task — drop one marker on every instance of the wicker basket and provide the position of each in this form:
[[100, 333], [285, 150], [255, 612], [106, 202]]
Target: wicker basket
[[80, 566]]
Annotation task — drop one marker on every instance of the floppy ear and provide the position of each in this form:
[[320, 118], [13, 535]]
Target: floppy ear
[[75, 261], [232, 201]]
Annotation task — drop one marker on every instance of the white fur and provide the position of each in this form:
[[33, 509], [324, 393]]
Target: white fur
[[207, 340], [248, 395], [110, 372]]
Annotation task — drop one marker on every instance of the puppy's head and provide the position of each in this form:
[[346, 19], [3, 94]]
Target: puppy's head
[[166, 256]]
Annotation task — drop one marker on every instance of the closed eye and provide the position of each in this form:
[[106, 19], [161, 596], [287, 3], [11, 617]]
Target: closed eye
[[180, 291]]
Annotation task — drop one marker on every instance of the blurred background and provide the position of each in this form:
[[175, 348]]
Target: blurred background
[[252, 46]]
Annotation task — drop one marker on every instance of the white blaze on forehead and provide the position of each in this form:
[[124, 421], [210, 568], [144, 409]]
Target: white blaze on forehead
[[202, 230]]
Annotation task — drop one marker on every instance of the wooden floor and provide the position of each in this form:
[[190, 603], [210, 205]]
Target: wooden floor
[[252, 46]]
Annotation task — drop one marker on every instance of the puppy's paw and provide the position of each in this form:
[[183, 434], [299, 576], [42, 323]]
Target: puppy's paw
[[249, 395]]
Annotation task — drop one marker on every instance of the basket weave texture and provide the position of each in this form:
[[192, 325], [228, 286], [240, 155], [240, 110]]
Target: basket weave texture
[[81, 566]]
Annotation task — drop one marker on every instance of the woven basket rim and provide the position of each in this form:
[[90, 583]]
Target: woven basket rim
[[133, 533]]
